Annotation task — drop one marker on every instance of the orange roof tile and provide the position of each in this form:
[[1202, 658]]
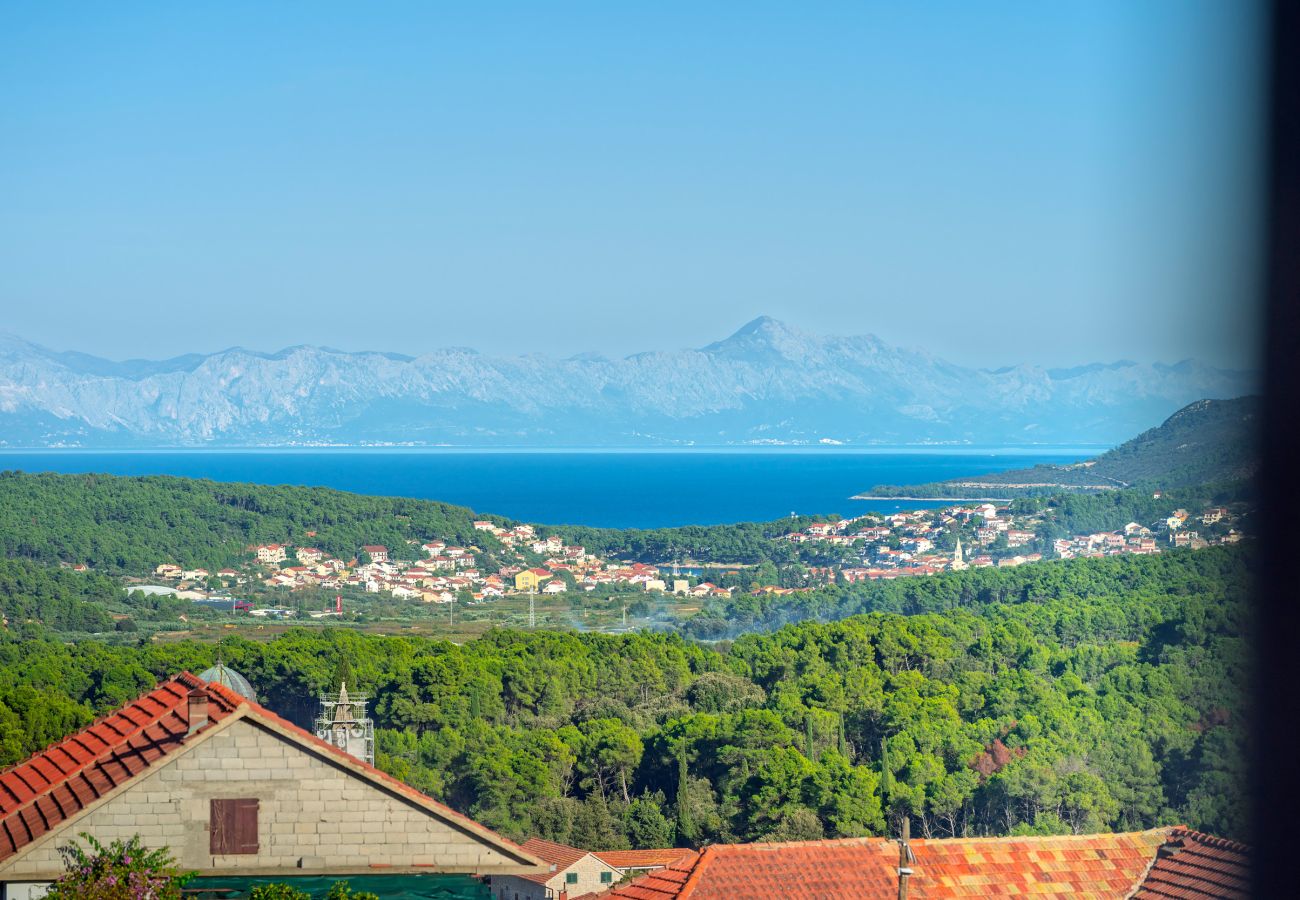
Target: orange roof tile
[[1196, 866], [660, 884], [1096, 866], [642, 859], [559, 855], [55, 784]]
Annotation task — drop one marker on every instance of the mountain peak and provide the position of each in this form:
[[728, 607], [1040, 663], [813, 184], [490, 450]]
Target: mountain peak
[[765, 326], [762, 334]]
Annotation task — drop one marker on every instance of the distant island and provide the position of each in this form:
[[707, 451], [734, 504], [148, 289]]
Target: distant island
[[766, 385], [1209, 441]]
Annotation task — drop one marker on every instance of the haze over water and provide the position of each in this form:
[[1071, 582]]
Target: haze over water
[[620, 489]]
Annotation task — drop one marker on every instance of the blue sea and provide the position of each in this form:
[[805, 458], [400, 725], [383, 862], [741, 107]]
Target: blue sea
[[632, 489]]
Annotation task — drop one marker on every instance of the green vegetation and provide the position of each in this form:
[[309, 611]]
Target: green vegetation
[[58, 598], [1063, 580], [1088, 695], [744, 543], [130, 525], [1205, 442], [123, 525]]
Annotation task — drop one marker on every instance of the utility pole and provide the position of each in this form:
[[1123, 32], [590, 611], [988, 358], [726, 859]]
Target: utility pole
[[905, 858], [625, 615], [532, 612]]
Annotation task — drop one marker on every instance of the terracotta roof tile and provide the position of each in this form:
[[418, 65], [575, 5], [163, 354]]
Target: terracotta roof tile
[[41, 792], [559, 855], [1196, 866], [642, 859], [53, 785], [1096, 866]]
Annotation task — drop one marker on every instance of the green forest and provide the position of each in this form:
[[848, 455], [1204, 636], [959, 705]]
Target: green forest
[[1206, 442], [1071, 697], [129, 525]]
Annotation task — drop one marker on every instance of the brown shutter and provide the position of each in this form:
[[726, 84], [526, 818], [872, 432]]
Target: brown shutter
[[245, 826], [219, 825], [233, 826]]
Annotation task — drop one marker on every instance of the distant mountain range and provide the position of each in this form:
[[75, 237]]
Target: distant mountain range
[[766, 384], [1206, 442]]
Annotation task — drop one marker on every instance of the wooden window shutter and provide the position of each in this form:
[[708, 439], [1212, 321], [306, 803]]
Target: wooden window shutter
[[245, 826], [233, 825]]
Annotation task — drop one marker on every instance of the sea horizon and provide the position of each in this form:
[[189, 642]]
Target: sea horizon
[[616, 488]]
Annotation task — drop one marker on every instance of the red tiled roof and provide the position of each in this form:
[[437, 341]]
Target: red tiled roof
[[1097, 866], [38, 794], [660, 884], [1196, 866], [560, 855], [642, 859], [55, 784]]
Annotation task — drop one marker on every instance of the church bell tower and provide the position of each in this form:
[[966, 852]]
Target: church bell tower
[[343, 723]]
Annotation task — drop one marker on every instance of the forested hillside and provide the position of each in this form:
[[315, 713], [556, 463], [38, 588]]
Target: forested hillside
[[1205, 442], [125, 524], [1114, 576], [1087, 695]]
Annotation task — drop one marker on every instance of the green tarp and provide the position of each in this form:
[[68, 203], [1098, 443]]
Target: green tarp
[[399, 887]]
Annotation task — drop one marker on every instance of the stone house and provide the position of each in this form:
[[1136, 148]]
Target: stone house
[[230, 788], [573, 872]]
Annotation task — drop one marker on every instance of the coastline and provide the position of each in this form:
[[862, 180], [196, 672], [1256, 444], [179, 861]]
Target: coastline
[[936, 499]]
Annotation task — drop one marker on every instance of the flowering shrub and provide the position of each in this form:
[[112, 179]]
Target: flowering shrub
[[121, 871]]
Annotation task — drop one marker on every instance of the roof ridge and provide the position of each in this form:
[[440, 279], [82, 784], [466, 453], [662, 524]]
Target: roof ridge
[[539, 840], [1010, 838], [696, 871], [1212, 840]]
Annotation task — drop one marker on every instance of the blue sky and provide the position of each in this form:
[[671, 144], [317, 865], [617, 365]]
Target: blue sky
[[998, 182]]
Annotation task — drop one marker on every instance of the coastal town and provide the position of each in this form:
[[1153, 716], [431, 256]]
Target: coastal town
[[913, 543], [516, 560]]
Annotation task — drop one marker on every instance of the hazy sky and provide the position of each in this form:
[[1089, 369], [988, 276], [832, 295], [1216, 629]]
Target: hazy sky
[[997, 182]]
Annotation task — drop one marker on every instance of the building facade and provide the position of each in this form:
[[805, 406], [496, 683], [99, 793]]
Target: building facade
[[229, 788]]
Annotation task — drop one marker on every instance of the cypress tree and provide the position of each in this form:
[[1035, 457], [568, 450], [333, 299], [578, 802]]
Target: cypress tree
[[685, 823], [886, 776]]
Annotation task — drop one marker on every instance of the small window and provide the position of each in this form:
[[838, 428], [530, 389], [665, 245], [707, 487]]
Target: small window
[[233, 826], [606, 877], [570, 877]]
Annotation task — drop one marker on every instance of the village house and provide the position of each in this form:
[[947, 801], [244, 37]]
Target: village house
[[1211, 516], [270, 554], [573, 872], [530, 579], [378, 552], [229, 788]]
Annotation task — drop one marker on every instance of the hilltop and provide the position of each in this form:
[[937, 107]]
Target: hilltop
[[1206, 442], [768, 383]]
